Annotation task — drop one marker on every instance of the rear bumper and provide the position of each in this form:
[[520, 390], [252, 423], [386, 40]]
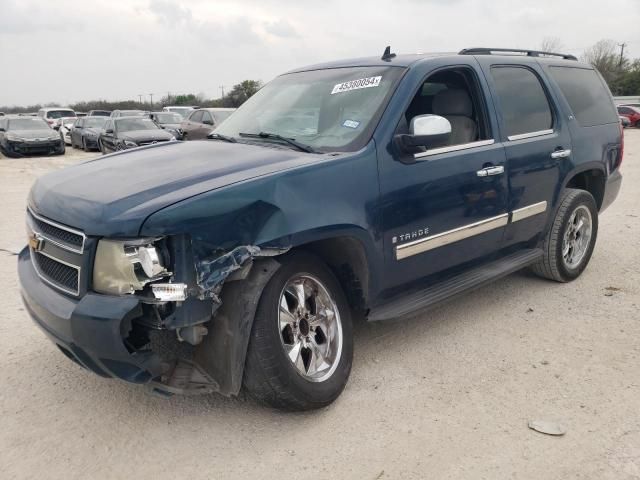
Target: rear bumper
[[88, 330], [611, 189]]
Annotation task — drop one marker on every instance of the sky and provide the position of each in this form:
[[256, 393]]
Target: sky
[[71, 50]]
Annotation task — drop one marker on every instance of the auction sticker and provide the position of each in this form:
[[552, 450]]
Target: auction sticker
[[356, 84]]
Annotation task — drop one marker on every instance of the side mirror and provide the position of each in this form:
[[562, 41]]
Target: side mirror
[[109, 131], [207, 122], [427, 131]]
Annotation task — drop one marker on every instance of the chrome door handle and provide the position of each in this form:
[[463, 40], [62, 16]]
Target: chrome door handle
[[561, 153], [489, 171]]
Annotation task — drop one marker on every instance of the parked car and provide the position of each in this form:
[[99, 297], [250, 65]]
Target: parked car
[[632, 113], [123, 133], [624, 121], [182, 111], [63, 126], [51, 115], [127, 113], [99, 113], [168, 121], [28, 135], [420, 177], [86, 132], [81, 114], [200, 123]]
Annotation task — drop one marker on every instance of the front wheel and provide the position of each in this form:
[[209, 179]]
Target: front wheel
[[571, 239], [301, 344]]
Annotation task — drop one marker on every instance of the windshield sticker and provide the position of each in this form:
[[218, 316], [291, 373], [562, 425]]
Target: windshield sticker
[[356, 84], [351, 124]]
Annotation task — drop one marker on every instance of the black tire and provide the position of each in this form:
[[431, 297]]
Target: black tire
[[269, 376], [84, 145], [552, 265], [62, 150]]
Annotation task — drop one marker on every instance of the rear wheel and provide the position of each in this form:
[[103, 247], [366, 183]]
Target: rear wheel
[[301, 345], [571, 239]]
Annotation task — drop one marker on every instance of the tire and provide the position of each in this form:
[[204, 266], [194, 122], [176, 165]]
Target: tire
[[270, 376], [62, 150], [554, 265]]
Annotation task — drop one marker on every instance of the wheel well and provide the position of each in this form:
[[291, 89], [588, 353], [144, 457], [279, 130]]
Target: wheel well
[[592, 181], [347, 259]]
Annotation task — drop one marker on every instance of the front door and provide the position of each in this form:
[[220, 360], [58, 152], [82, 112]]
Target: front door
[[444, 206]]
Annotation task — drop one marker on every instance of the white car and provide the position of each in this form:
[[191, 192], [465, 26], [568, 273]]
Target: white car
[[182, 111], [64, 125]]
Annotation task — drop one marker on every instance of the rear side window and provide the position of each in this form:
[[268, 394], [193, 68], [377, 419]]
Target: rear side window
[[587, 95], [524, 104]]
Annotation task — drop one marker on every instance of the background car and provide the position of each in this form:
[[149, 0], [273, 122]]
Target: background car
[[99, 113], [127, 113], [81, 114], [86, 131], [63, 126], [50, 115], [28, 135], [182, 111], [632, 113], [168, 121], [130, 132], [203, 121]]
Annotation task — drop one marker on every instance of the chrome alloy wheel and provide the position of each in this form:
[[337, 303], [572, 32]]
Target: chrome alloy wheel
[[310, 327], [577, 237]]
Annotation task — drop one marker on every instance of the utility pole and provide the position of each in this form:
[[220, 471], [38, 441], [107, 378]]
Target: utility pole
[[622, 46], [169, 98], [222, 88], [140, 97], [151, 96]]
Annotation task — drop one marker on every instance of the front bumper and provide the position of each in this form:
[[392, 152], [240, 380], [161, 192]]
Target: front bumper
[[89, 330], [34, 148], [91, 142]]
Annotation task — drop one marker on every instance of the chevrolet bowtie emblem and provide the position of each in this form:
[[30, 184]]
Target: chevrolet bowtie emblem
[[36, 242]]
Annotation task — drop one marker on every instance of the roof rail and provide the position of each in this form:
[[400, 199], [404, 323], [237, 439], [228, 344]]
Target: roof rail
[[529, 53]]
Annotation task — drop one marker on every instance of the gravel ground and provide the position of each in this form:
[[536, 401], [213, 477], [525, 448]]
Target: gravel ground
[[445, 395]]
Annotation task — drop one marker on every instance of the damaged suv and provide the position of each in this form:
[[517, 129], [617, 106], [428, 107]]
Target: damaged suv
[[371, 188]]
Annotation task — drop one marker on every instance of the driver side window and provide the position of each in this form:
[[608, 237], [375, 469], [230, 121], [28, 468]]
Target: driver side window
[[455, 95], [196, 117]]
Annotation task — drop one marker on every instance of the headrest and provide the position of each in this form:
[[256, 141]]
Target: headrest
[[452, 102]]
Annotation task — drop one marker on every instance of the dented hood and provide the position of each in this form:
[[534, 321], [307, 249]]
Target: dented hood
[[113, 195]]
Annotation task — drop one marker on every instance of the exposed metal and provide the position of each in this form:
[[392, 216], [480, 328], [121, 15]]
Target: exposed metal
[[451, 236], [310, 327], [523, 136], [528, 211], [577, 237], [454, 148]]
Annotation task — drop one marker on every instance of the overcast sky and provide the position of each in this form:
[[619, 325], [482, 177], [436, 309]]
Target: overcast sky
[[72, 50]]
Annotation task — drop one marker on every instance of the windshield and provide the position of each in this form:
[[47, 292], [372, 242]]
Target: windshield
[[182, 111], [101, 113], [27, 124], [94, 122], [333, 109], [130, 124], [168, 118], [131, 113], [55, 114], [221, 115]]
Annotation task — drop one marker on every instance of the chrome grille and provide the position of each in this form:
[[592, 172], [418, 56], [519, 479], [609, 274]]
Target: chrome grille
[[57, 234], [65, 277]]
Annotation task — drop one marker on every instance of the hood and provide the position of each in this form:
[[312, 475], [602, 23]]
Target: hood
[[32, 134], [145, 135], [114, 194]]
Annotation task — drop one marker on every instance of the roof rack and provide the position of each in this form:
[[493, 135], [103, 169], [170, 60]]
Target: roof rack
[[529, 53]]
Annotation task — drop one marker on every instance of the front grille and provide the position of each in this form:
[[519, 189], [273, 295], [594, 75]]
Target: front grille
[[61, 275], [142, 144], [62, 236]]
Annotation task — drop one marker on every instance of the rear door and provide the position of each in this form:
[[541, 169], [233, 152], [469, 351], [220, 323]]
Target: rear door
[[536, 139], [191, 124]]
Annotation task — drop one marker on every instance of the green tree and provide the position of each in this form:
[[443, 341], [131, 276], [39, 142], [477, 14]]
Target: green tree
[[241, 92]]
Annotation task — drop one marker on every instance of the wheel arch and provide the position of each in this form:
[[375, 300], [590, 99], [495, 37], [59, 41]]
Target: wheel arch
[[591, 178]]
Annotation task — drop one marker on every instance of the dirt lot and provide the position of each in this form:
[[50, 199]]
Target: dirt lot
[[445, 395]]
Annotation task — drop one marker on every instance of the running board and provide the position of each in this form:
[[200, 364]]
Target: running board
[[464, 282]]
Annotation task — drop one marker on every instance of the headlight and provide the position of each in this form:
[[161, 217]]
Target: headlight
[[54, 137], [126, 266], [129, 143]]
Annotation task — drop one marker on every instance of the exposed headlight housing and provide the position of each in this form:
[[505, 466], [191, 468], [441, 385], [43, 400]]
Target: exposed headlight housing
[[130, 143], [126, 266]]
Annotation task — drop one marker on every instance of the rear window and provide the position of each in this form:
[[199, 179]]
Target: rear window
[[524, 104], [55, 114], [587, 95]]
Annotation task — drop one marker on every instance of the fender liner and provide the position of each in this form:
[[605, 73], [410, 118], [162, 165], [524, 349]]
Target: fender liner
[[223, 351]]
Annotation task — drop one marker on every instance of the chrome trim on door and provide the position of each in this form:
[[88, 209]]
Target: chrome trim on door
[[528, 211], [454, 148], [522, 136], [451, 236], [561, 153]]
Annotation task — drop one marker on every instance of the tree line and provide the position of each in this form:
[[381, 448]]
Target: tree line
[[236, 97]]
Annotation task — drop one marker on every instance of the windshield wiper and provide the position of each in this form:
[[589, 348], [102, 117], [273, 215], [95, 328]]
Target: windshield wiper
[[291, 141], [219, 136]]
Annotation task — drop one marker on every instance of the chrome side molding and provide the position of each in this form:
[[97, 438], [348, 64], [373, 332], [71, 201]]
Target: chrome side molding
[[528, 211]]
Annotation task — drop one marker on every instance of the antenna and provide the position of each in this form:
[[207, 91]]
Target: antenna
[[387, 55]]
